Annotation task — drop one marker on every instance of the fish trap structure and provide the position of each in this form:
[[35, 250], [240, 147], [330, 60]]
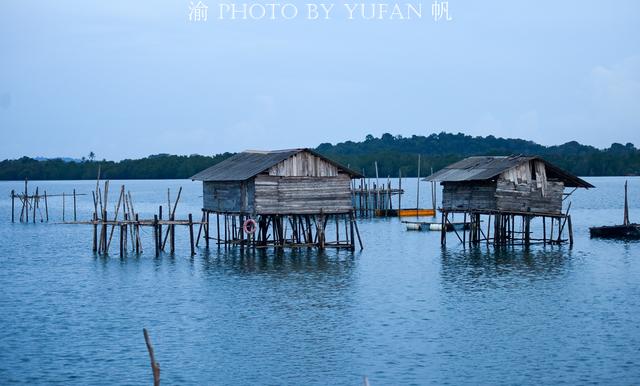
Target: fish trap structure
[[282, 198], [509, 192], [35, 207]]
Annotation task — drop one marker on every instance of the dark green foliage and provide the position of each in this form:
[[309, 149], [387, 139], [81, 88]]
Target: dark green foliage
[[153, 167], [393, 153]]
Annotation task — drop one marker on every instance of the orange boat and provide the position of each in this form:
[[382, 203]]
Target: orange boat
[[416, 212]]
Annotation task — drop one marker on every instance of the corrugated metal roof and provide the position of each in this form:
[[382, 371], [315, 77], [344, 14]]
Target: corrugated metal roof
[[247, 164], [482, 168]]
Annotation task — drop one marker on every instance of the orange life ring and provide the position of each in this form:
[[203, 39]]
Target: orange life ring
[[249, 226]]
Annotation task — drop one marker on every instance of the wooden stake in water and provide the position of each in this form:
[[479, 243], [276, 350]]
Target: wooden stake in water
[[418, 187], [13, 205]]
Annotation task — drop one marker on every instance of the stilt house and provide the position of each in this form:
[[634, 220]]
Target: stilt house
[[506, 187], [282, 188]]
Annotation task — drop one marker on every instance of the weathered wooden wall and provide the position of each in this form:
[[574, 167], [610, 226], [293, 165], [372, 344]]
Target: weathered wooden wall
[[529, 197], [304, 164], [468, 195], [302, 195], [229, 196]]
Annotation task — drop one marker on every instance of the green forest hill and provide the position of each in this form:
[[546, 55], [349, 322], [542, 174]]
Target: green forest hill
[[392, 153]]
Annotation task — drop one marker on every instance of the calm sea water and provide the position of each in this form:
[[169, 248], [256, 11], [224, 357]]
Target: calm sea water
[[403, 311]]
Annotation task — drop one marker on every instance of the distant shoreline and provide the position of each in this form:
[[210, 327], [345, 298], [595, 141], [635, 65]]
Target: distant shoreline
[[394, 155]]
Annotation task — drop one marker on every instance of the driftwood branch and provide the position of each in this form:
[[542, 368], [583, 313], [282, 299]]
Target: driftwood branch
[[155, 366]]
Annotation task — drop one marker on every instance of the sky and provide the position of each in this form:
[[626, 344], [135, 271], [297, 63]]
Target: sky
[[126, 79]]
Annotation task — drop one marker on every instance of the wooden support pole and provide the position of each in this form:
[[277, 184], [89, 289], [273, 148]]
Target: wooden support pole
[[355, 224], [570, 228], [218, 228], [155, 235], [95, 232], [74, 206], [200, 228], [46, 206], [137, 234], [160, 244], [121, 240], [193, 250], [63, 205], [103, 240], [172, 236], [26, 200], [351, 231], [35, 200], [13, 205], [206, 230]]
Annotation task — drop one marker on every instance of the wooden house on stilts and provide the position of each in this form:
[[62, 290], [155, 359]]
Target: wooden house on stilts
[[283, 198], [508, 192]]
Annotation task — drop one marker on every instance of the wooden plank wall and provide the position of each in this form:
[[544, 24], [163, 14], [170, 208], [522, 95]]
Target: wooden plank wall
[[528, 197], [457, 196], [228, 196], [304, 164], [302, 195]]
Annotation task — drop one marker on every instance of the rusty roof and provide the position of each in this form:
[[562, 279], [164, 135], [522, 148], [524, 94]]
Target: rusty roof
[[482, 168], [250, 163]]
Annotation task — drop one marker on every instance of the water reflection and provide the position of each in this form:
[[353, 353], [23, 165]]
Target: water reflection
[[483, 268]]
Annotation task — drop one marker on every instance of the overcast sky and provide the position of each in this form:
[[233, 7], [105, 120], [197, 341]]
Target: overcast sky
[[126, 79]]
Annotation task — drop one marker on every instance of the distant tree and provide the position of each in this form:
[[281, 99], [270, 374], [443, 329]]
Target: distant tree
[[92, 156]]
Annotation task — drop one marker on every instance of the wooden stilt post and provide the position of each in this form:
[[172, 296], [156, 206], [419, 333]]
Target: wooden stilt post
[[218, 228], [125, 225], [63, 205], [46, 206], [206, 230], [13, 205], [570, 229], [74, 206], [464, 232], [155, 234], [105, 248], [160, 228], [353, 239], [172, 235], [121, 240], [95, 232], [193, 250], [200, 228], [137, 234], [544, 230], [26, 200], [443, 228]]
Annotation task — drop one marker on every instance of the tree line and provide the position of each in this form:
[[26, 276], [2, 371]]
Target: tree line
[[394, 155]]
